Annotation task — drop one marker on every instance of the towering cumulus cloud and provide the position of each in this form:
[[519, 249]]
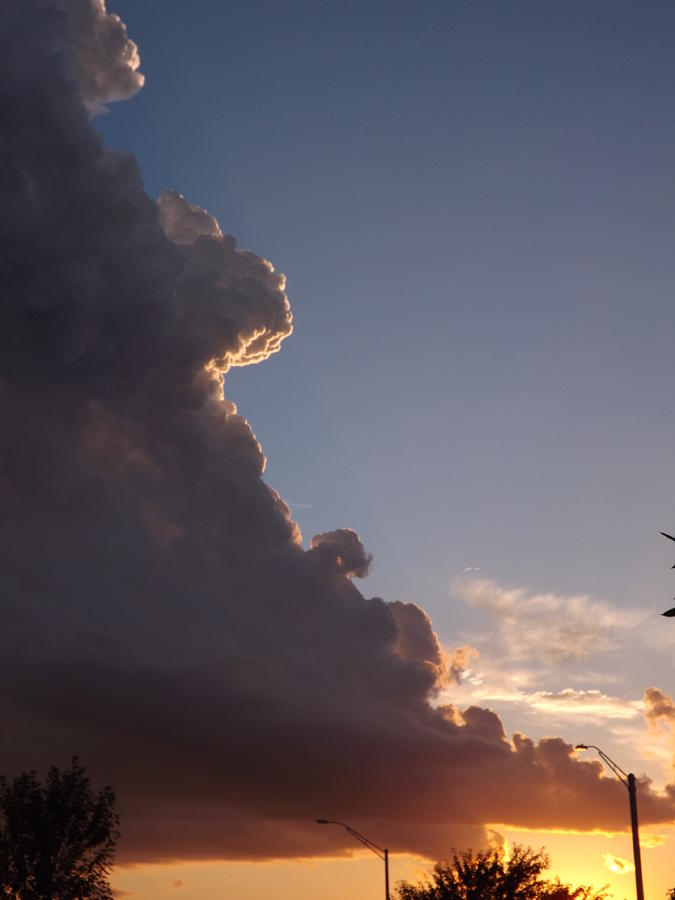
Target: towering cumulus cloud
[[160, 616]]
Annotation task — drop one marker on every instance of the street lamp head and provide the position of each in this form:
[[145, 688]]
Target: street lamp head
[[322, 822], [581, 747]]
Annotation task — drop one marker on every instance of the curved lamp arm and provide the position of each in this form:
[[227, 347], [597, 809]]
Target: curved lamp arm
[[373, 847], [381, 852], [615, 767]]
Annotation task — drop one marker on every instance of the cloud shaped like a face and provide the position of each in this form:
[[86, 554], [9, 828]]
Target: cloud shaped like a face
[[160, 615], [231, 306], [343, 551], [107, 59]]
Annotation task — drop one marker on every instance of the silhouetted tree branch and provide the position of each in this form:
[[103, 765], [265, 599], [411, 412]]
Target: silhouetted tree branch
[[57, 839], [489, 875]]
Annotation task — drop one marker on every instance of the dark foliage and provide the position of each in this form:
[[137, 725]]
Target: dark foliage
[[488, 875], [57, 839]]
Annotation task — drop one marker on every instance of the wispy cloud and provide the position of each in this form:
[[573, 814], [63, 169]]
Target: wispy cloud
[[575, 703], [568, 702], [649, 840], [545, 628]]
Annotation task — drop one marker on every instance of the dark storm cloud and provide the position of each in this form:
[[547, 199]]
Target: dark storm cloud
[[160, 616]]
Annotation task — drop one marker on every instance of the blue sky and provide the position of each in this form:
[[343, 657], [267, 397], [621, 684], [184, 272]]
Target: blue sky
[[473, 205]]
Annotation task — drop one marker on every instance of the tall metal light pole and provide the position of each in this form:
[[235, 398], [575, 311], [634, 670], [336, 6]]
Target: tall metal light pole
[[629, 781], [380, 852]]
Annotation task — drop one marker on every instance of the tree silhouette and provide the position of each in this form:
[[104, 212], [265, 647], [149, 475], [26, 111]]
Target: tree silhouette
[[57, 839], [489, 875]]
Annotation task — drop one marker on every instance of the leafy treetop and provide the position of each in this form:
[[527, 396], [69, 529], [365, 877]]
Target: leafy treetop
[[57, 839], [490, 875]]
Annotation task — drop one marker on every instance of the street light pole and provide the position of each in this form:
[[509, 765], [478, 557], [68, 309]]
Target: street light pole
[[380, 852], [630, 784], [629, 781]]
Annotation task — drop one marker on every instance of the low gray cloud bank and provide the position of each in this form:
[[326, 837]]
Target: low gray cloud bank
[[160, 615]]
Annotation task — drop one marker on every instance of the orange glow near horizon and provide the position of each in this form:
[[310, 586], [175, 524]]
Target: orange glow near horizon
[[584, 858], [360, 877], [594, 859]]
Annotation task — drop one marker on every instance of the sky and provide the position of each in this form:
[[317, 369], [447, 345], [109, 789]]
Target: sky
[[375, 539]]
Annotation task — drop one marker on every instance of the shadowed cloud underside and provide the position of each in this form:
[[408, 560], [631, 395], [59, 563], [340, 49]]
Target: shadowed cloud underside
[[160, 614]]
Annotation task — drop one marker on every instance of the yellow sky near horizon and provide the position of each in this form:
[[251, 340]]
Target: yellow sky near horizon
[[575, 858]]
